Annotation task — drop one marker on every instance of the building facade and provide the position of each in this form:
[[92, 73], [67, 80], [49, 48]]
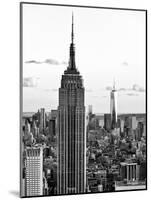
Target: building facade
[[33, 171], [71, 130], [129, 171]]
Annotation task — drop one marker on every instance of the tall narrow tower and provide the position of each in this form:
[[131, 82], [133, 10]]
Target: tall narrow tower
[[42, 120], [71, 129], [113, 107]]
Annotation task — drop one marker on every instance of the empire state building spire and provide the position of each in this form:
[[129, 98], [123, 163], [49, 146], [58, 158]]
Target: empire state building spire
[[71, 69], [114, 84], [72, 33]]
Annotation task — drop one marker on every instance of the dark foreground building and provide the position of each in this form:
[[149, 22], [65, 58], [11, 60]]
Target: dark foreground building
[[71, 130]]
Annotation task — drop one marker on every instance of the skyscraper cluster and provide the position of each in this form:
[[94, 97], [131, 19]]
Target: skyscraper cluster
[[38, 150], [116, 151], [60, 156]]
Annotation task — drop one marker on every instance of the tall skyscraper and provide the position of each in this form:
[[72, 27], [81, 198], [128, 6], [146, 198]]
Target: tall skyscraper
[[42, 125], [71, 129], [52, 127], [90, 109], [33, 171], [27, 127], [113, 107], [134, 123], [34, 129], [107, 121]]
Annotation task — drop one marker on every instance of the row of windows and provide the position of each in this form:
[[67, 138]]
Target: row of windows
[[33, 164], [29, 175], [35, 179], [34, 158], [33, 185]]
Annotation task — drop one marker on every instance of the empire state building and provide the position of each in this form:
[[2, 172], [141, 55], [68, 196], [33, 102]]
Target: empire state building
[[71, 129]]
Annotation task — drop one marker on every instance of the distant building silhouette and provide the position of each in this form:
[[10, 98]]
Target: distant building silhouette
[[42, 125], [34, 130], [52, 127], [90, 109], [113, 107], [107, 121]]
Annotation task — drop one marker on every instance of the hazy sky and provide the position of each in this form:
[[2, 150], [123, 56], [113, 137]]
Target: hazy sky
[[108, 43]]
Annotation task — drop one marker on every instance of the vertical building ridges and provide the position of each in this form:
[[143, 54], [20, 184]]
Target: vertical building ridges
[[71, 129], [34, 171]]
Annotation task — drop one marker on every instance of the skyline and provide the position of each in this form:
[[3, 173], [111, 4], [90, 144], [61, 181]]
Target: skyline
[[50, 57], [82, 152]]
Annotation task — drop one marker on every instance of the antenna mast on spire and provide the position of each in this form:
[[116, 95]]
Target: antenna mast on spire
[[114, 83], [72, 34], [71, 69]]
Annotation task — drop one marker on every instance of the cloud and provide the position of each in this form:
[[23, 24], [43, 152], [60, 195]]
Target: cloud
[[108, 88], [30, 82], [46, 61], [125, 64], [64, 63], [138, 88], [132, 94], [33, 61], [122, 89], [135, 88], [51, 62]]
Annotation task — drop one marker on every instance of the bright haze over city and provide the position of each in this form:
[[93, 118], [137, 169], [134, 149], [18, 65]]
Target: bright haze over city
[[109, 44]]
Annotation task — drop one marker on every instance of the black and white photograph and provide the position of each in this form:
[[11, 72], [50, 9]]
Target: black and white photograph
[[83, 97]]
